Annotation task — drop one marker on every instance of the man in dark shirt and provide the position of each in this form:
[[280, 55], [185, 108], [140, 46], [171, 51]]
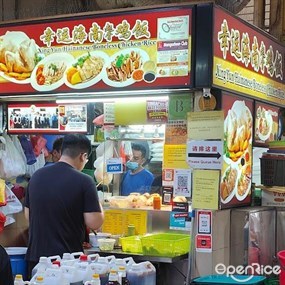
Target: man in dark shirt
[[6, 277], [61, 202]]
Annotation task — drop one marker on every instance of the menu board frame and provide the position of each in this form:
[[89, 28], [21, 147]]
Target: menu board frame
[[48, 118], [163, 62]]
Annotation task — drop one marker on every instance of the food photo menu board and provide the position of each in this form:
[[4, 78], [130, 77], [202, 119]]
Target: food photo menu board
[[47, 118], [266, 123], [98, 52], [236, 174]]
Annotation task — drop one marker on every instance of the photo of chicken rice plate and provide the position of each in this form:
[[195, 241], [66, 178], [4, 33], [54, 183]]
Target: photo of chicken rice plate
[[18, 55], [86, 68], [123, 66]]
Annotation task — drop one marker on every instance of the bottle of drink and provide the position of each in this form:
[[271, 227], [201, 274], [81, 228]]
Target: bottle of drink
[[94, 281], [123, 276], [113, 278], [39, 280], [19, 280]]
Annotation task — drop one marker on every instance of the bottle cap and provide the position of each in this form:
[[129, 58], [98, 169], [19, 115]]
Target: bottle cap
[[83, 257], [56, 262], [95, 276], [18, 276], [40, 278]]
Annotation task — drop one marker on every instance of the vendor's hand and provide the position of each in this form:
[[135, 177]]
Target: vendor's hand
[[86, 245]]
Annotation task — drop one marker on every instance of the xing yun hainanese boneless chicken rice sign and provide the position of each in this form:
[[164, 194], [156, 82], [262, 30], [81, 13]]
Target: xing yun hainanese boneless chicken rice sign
[[102, 52], [246, 60]]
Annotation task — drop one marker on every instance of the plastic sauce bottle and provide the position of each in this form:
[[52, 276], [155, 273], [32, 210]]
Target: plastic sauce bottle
[[19, 280], [156, 203], [94, 281], [123, 276], [113, 278]]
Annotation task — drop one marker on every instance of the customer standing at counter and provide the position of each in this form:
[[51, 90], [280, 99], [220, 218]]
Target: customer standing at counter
[[56, 151], [60, 201], [137, 178]]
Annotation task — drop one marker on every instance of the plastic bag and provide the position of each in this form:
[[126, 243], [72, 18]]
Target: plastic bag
[[13, 205], [40, 162], [11, 162], [28, 149], [102, 177]]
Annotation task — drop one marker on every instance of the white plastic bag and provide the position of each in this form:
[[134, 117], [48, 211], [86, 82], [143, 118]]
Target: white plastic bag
[[13, 205], [103, 152], [31, 169], [102, 177], [11, 162]]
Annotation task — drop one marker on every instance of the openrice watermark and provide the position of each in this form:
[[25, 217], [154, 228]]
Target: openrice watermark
[[243, 274]]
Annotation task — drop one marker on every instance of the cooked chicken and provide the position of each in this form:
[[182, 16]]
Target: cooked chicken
[[91, 67], [122, 67], [18, 52]]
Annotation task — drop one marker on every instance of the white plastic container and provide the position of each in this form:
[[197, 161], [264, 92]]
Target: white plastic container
[[136, 275], [106, 243], [143, 273], [83, 269], [94, 281], [55, 276], [102, 267], [38, 280], [19, 280], [42, 265], [71, 275], [93, 239]]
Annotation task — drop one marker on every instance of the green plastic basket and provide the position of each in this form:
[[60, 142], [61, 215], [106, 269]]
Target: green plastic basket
[[165, 244], [131, 244]]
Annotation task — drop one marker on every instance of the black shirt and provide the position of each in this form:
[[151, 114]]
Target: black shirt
[[57, 196], [6, 277]]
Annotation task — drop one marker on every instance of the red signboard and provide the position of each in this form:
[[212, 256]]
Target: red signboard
[[104, 52], [246, 60]]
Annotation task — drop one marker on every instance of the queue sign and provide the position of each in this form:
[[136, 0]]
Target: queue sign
[[114, 165], [203, 154]]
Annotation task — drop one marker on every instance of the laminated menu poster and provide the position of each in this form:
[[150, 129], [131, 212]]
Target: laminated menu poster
[[117, 221], [236, 174], [47, 118], [267, 122]]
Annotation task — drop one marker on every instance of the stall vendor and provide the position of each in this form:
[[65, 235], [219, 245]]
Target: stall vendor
[[137, 178]]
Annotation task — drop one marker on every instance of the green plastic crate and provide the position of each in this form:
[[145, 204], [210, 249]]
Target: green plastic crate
[[131, 244], [165, 244]]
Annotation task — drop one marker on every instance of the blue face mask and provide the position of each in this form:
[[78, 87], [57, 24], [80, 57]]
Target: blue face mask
[[132, 165]]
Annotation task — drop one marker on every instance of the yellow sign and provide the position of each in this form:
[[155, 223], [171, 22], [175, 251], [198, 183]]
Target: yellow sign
[[206, 189], [117, 221], [174, 156], [130, 113], [230, 76], [205, 125]]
